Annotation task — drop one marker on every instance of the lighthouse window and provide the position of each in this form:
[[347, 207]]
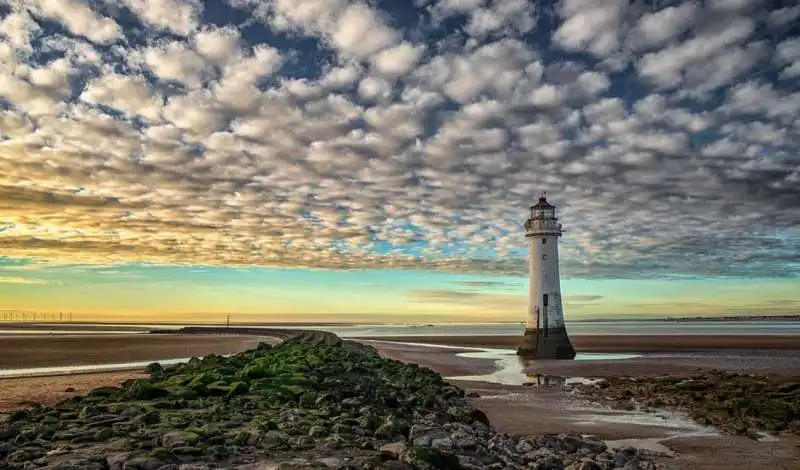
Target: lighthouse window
[[544, 256], [544, 241]]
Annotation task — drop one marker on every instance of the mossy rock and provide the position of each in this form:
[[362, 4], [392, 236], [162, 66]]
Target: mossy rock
[[193, 451], [275, 440], [204, 378], [162, 454], [184, 393], [104, 392], [264, 424], [103, 435], [480, 417], [238, 388], [218, 452], [423, 458], [19, 415], [308, 399], [145, 390], [155, 369], [217, 390], [150, 418]]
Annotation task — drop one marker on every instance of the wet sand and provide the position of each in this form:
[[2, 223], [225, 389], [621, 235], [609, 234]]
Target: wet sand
[[786, 362], [18, 393], [622, 343], [62, 350], [684, 444]]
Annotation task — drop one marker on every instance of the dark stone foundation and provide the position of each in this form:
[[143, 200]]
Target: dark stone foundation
[[556, 345]]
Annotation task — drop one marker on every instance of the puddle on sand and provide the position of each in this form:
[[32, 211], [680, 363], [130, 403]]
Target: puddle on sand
[[653, 444], [673, 423], [510, 368]]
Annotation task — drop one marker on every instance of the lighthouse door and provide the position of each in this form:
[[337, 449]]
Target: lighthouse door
[[545, 328]]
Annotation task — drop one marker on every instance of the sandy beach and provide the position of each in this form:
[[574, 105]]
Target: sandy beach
[[33, 351], [62, 350], [21, 392], [511, 406]]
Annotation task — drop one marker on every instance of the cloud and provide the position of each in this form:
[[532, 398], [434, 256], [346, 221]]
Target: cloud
[[397, 60], [77, 17], [495, 17], [178, 16], [657, 28], [579, 298], [469, 300], [591, 27], [342, 135], [484, 283], [21, 280]]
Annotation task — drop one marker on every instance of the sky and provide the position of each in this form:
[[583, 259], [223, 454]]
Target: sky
[[313, 160]]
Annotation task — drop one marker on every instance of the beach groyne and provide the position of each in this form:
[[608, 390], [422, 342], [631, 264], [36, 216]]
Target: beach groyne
[[311, 401]]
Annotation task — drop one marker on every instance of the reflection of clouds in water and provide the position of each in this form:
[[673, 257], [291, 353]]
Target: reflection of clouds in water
[[511, 368]]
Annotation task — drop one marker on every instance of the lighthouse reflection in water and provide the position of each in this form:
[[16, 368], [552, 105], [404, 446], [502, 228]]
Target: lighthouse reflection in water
[[545, 381], [514, 370]]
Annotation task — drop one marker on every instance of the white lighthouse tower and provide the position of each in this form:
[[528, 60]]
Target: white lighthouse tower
[[545, 333]]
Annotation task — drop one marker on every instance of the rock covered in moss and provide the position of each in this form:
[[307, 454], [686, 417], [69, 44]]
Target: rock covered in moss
[[736, 403]]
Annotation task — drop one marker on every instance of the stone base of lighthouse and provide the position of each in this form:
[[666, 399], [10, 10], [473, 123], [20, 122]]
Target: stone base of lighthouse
[[556, 345]]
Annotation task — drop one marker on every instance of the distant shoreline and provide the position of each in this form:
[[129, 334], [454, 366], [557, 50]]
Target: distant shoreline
[[147, 326], [747, 318], [645, 343]]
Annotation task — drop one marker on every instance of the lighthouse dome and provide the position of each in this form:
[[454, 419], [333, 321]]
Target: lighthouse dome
[[543, 210], [543, 204]]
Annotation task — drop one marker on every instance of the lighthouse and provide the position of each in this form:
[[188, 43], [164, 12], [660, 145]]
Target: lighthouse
[[545, 333]]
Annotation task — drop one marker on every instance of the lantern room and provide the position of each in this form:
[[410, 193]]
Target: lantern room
[[543, 210]]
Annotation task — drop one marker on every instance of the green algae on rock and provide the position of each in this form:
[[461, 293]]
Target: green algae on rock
[[735, 403]]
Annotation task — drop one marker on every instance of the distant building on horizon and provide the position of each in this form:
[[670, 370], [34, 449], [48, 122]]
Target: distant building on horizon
[[545, 334]]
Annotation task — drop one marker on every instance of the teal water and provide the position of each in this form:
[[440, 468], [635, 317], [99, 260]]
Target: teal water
[[740, 327], [610, 327]]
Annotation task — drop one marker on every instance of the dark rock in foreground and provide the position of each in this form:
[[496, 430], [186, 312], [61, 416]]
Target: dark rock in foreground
[[736, 403], [313, 401]]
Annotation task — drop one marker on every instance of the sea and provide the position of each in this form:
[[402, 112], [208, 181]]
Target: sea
[[609, 327]]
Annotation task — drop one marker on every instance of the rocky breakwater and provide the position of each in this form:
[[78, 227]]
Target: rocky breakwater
[[312, 401], [742, 404]]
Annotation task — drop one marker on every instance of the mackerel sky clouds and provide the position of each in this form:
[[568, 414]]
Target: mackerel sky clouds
[[402, 134]]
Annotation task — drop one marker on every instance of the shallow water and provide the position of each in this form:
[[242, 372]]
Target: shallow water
[[510, 368], [606, 327], [653, 444], [65, 332], [76, 369], [670, 421], [580, 412], [739, 327]]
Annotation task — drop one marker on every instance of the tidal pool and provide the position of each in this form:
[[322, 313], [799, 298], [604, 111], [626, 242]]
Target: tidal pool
[[510, 368]]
